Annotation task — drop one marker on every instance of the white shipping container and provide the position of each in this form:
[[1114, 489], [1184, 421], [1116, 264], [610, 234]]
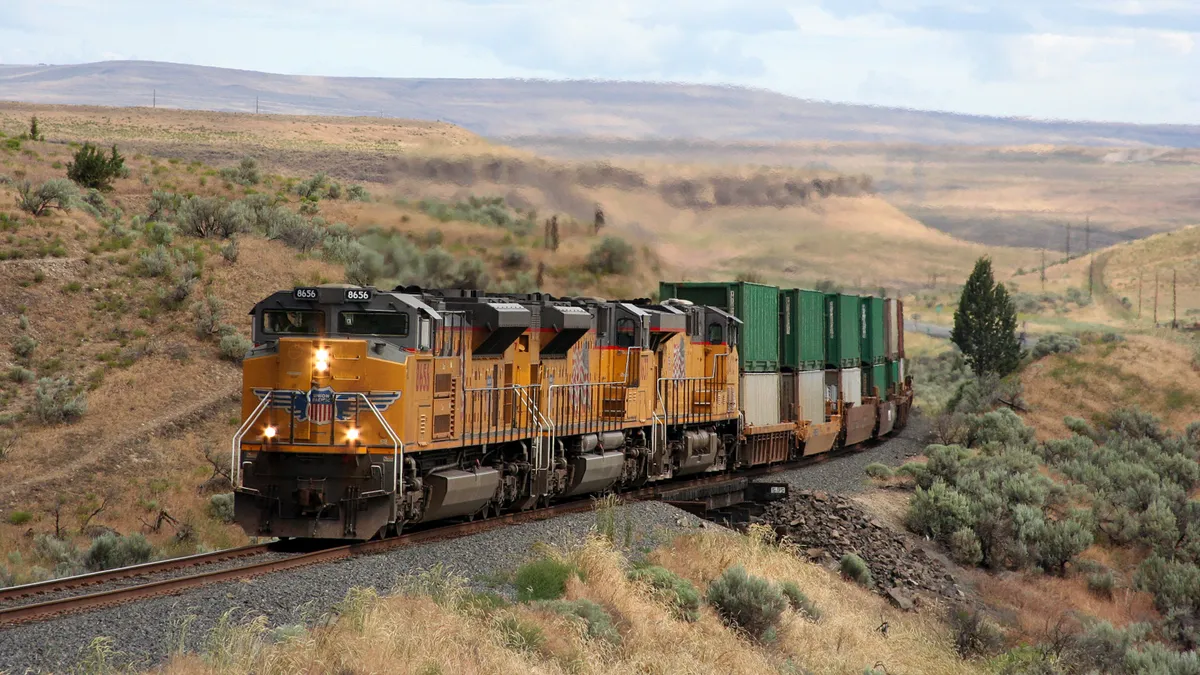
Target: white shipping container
[[901, 361], [760, 398], [891, 327], [851, 385], [810, 393]]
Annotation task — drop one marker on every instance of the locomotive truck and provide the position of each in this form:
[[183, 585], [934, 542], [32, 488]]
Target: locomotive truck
[[367, 410]]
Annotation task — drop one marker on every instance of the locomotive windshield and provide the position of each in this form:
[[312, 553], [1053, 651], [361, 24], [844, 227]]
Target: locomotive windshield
[[293, 322], [384, 324]]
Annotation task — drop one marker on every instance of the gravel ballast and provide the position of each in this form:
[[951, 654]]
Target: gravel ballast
[[146, 632]]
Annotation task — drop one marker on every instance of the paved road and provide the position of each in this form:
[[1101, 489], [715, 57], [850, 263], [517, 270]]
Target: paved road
[[944, 331]]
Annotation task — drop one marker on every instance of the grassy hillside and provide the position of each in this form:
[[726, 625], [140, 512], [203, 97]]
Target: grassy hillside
[[605, 621], [1002, 194], [515, 107], [100, 298]]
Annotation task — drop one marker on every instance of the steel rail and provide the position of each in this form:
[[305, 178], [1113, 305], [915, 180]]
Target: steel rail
[[105, 576], [80, 603]]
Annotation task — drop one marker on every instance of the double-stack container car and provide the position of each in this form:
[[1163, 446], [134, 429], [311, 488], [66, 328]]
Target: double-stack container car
[[366, 410]]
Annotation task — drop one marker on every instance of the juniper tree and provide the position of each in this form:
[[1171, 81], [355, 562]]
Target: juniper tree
[[985, 324]]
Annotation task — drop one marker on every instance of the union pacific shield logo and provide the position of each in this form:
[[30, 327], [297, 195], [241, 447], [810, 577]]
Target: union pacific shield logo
[[321, 405]]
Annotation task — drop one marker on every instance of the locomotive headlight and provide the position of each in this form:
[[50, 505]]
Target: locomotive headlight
[[323, 355], [352, 434], [321, 366], [269, 432]]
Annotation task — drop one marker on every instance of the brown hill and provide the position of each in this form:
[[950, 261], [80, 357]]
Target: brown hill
[[505, 108]]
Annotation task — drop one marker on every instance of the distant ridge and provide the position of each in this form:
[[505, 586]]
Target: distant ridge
[[507, 108]]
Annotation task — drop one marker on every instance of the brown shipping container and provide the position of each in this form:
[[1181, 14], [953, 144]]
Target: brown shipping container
[[760, 398], [900, 333], [787, 398], [810, 387], [846, 384], [891, 317]]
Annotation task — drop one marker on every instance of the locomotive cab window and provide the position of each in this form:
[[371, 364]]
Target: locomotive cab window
[[715, 334], [293, 322], [626, 333], [383, 324]]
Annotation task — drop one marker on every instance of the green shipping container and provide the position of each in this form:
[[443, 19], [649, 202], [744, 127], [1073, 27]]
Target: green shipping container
[[802, 329], [757, 305], [878, 379], [843, 347], [893, 373], [871, 332]]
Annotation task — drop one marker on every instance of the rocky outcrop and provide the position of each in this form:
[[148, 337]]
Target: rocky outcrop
[[827, 526]]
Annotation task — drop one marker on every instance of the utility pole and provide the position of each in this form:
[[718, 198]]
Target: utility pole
[[154, 99], [1156, 298], [1043, 269], [1091, 276], [255, 105], [1068, 241], [1139, 316], [1174, 307]]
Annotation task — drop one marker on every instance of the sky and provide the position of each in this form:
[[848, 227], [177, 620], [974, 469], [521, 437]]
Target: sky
[[1112, 60]]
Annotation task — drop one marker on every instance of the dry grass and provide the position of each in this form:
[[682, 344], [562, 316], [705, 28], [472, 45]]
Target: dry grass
[[413, 634], [1152, 373], [1037, 603]]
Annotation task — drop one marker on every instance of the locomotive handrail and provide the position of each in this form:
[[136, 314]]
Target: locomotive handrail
[[707, 378], [541, 424], [624, 382], [397, 444], [235, 474]]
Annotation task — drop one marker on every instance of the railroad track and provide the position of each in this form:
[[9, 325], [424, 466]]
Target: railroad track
[[25, 613]]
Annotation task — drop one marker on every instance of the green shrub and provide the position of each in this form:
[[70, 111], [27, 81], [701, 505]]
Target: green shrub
[[56, 400], [939, 511], [1055, 344], [155, 262], [856, 569], [220, 507], [24, 346], [54, 193], [207, 313], [92, 169], [245, 173], [518, 634], [61, 555], [799, 601], [965, 547], [598, 622], [678, 593], [157, 234], [302, 235], [357, 193], [230, 250], [1102, 583], [212, 217], [19, 517], [313, 187], [233, 347], [109, 551], [974, 634], [612, 255], [878, 471], [543, 579], [747, 602]]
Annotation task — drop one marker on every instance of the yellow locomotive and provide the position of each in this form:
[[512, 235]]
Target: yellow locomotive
[[367, 410]]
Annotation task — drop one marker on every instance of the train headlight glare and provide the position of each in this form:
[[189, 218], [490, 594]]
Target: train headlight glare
[[322, 354], [321, 366], [352, 434], [269, 432]]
